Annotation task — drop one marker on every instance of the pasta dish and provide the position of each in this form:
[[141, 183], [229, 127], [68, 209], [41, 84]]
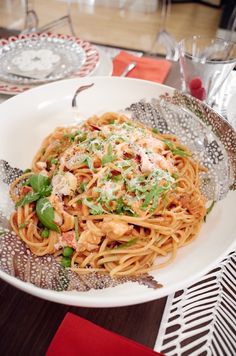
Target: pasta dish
[[110, 196]]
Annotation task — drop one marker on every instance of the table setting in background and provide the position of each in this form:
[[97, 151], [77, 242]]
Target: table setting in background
[[191, 314]]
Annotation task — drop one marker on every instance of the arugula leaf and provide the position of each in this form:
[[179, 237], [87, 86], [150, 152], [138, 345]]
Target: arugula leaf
[[81, 136], [154, 195], [71, 137], [54, 160], [154, 130], [128, 243], [122, 208], [119, 206], [109, 157], [178, 151], [158, 192], [40, 184], [95, 209], [117, 178], [175, 176], [23, 225], [149, 197], [82, 187], [88, 162], [28, 198], [45, 213], [209, 209]]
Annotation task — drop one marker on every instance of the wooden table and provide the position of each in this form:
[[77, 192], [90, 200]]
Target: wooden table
[[28, 324]]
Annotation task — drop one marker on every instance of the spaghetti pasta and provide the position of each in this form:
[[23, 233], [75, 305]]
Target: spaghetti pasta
[[110, 196]]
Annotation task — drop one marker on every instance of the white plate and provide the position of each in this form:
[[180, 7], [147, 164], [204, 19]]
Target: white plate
[[27, 118]]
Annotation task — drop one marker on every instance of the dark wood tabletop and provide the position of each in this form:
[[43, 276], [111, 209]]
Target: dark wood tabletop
[[28, 324]]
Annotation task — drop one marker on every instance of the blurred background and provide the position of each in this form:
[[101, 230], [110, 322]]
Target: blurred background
[[134, 24]]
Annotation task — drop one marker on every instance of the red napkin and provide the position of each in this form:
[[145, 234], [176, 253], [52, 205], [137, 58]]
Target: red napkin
[[77, 336], [147, 68]]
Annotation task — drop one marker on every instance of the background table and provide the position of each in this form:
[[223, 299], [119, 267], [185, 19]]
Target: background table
[[28, 324]]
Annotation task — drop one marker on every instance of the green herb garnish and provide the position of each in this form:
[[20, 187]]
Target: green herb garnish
[[95, 209], [82, 187], [109, 157], [28, 198], [209, 209], [178, 151], [153, 196], [23, 225], [40, 184], [89, 163], [128, 243], [45, 213], [54, 160]]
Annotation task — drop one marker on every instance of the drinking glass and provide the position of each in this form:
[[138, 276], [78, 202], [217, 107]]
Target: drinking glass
[[205, 64]]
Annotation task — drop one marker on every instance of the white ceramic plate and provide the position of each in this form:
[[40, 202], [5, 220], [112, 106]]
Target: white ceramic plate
[[27, 118], [104, 67]]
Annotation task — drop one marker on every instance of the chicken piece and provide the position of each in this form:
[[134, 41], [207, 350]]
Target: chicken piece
[[115, 229], [153, 143], [146, 164], [41, 165], [88, 241], [162, 163], [64, 184]]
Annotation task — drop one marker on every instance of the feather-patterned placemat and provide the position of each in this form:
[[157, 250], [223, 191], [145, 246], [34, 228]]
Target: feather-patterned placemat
[[201, 319]]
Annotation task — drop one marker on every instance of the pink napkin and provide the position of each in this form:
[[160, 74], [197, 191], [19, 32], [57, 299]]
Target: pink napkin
[[147, 68], [77, 336]]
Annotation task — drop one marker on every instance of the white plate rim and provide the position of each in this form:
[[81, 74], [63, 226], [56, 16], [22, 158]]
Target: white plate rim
[[79, 299]]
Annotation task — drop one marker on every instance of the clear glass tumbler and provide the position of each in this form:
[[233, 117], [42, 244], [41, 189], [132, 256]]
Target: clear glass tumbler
[[205, 64]]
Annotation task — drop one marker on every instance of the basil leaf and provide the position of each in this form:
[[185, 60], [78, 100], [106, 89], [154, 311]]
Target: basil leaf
[[40, 184], [28, 198], [45, 213]]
